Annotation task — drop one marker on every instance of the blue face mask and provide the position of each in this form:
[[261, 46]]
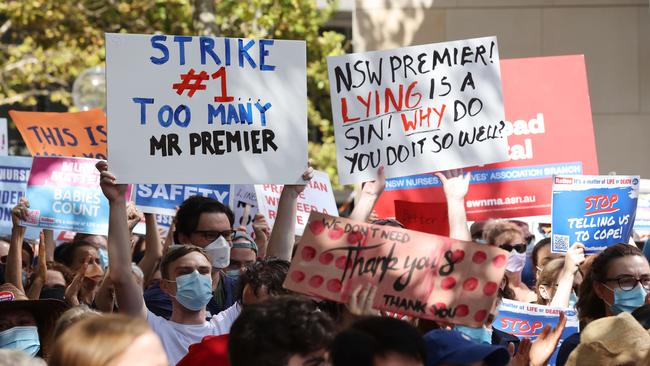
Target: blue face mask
[[233, 274], [21, 338], [627, 301], [103, 258], [480, 335], [193, 290]]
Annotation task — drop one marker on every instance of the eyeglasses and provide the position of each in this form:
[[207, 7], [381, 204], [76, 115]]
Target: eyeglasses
[[212, 235], [628, 283], [520, 248]]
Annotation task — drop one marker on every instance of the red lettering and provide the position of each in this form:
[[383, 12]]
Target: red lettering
[[344, 112]]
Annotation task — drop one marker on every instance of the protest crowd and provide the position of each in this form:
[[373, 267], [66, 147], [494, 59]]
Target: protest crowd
[[101, 267]]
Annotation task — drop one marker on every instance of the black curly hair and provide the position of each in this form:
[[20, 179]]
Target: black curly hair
[[270, 332], [268, 273]]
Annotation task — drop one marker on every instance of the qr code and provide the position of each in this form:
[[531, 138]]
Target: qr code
[[560, 243]]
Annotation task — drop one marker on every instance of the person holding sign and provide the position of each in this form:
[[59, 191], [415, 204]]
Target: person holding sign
[[559, 277]]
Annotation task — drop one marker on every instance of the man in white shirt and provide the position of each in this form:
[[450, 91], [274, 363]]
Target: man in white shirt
[[186, 278]]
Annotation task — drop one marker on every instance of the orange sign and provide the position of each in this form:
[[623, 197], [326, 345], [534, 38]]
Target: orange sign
[[78, 134]]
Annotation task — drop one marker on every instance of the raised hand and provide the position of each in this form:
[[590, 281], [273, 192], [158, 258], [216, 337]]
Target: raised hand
[[19, 212], [455, 183], [107, 182], [375, 187], [133, 216], [522, 357], [72, 291], [544, 346], [306, 177], [361, 300]]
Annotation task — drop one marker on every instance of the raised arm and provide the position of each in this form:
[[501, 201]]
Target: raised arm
[[38, 280], [575, 256], [368, 197], [127, 292], [154, 249], [283, 233], [14, 265], [262, 233], [455, 184], [50, 244]]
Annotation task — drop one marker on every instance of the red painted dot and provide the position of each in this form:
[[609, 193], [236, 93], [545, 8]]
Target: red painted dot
[[336, 233], [458, 255], [480, 315], [490, 288], [441, 305], [499, 261], [479, 257], [355, 237], [316, 281], [297, 276], [316, 227], [308, 253], [470, 284], [448, 283], [334, 285], [326, 258], [462, 310], [341, 261]]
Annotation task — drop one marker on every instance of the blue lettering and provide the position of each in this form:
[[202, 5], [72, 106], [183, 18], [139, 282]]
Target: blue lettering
[[243, 52], [181, 40], [156, 42], [207, 47], [263, 53], [143, 108]]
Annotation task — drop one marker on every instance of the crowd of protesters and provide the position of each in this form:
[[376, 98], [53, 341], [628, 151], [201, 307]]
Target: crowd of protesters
[[126, 299]]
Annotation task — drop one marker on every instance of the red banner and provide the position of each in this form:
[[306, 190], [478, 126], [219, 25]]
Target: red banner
[[549, 131]]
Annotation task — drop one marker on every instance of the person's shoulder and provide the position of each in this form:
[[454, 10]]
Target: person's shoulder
[[224, 319]]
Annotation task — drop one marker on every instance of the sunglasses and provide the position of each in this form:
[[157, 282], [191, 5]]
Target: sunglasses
[[520, 248]]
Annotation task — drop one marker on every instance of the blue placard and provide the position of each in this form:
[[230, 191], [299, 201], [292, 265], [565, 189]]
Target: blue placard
[[164, 198], [597, 211], [526, 320], [14, 173]]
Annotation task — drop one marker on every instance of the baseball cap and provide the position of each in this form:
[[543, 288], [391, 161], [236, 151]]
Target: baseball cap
[[246, 243], [449, 346]]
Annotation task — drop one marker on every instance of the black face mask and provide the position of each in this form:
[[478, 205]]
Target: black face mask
[[56, 292]]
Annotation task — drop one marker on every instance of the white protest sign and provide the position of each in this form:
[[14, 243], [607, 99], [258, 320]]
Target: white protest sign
[[244, 205], [317, 196], [4, 138], [193, 110], [417, 109]]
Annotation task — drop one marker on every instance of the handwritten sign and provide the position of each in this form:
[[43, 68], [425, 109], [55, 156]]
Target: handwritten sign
[[526, 320], [597, 211], [318, 196], [78, 134], [164, 198], [64, 194], [244, 205], [14, 173], [547, 109], [417, 109], [422, 275], [198, 110], [427, 217]]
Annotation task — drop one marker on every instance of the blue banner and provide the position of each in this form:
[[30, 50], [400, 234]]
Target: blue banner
[[526, 320], [164, 198], [14, 173], [597, 211]]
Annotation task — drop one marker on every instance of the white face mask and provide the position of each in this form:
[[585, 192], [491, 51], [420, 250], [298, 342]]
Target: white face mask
[[219, 252], [516, 262]]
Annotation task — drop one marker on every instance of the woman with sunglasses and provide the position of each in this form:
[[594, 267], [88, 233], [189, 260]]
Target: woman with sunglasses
[[509, 237]]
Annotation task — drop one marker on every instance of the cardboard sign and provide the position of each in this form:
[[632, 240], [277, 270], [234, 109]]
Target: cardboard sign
[[597, 211], [547, 110], [423, 275], [427, 217], [417, 109], [199, 110], [64, 194], [14, 173], [318, 196], [78, 134], [526, 320], [244, 205], [164, 198], [4, 138]]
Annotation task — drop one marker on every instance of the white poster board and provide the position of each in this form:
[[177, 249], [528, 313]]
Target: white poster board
[[193, 110], [317, 196], [417, 109], [4, 138]]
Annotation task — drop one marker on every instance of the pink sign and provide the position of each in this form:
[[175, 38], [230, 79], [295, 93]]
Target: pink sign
[[418, 274]]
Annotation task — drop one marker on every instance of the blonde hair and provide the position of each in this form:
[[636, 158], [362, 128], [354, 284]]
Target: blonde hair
[[495, 228], [72, 316], [96, 341], [548, 277]]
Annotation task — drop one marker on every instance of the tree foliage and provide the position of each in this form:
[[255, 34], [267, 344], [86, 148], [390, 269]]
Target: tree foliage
[[45, 44]]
